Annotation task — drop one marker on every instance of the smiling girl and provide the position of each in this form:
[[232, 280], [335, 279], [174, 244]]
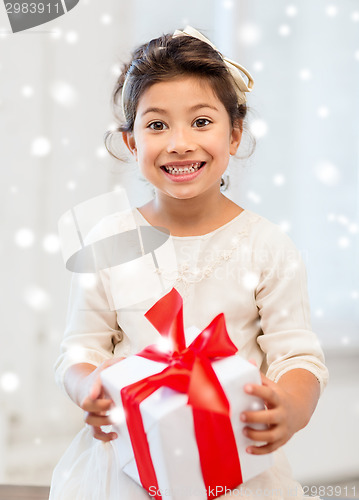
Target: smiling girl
[[184, 106]]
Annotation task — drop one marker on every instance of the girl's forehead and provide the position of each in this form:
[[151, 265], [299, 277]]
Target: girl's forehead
[[180, 91]]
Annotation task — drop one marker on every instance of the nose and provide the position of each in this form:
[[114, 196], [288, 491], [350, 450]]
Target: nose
[[180, 141]]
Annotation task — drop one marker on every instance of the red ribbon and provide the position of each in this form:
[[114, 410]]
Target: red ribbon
[[189, 371]]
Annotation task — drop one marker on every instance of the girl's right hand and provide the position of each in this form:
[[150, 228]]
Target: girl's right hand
[[96, 404]]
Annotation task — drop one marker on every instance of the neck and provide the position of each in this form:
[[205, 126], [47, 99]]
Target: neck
[[189, 217]]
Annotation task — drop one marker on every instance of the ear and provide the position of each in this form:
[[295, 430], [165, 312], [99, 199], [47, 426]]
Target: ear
[[129, 140], [235, 141]]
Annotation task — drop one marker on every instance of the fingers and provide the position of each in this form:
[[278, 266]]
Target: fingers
[[267, 392], [97, 405], [267, 448], [98, 433], [97, 389], [99, 418], [274, 434], [267, 417], [265, 436], [96, 420]]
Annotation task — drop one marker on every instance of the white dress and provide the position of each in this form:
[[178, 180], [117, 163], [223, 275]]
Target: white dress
[[248, 269]]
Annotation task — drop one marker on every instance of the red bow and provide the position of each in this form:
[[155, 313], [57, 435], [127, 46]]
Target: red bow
[[189, 371]]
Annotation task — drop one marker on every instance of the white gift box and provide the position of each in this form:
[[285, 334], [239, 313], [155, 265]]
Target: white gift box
[[168, 423]]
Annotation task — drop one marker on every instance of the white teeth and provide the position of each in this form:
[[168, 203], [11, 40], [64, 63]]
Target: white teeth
[[183, 170]]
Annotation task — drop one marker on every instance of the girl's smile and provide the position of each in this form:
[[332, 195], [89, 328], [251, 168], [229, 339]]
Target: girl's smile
[[183, 171], [182, 137]]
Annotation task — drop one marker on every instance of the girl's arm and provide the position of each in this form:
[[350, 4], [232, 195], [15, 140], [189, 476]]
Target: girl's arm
[[82, 382], [290, 404], [294, 361]]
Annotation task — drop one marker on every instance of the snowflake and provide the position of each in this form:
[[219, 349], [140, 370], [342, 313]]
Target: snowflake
[[249, 34], [285, 226], [101, 152], [259, 128], [77, 353], [87, 281], [284, 30], [71, 185], [305, 74], [56, 33], [117, 416], [344, 242], [331, 11], [37, 298], [278, 180], [165, 344], [9, 382], [41, 146], [228, 4], [115, 70], [51, 243], [106, 19], [72, 37], [27, 91], [250, 280], [327, 173], [64, 94], [258, 66], [323, 112], [251, 195], [24, 237], [291, 11]]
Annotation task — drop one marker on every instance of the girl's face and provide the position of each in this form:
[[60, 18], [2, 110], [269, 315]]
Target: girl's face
[[182, 137]]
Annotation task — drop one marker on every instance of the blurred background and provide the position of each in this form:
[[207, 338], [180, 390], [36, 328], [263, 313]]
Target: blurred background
[[55, 87]]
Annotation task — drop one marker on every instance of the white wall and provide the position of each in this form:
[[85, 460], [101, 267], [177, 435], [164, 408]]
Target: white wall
[[326, 451]]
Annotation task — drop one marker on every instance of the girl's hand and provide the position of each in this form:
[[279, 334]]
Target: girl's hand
[[282, 416], [96, 405]]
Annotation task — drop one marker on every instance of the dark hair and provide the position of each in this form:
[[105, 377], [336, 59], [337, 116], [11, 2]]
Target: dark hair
[[167, 57]]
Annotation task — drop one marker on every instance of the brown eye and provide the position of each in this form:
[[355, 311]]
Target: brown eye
[[157, 126], [201, 122]]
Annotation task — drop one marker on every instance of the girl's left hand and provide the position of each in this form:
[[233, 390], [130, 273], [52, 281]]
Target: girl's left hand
[[281, 416]]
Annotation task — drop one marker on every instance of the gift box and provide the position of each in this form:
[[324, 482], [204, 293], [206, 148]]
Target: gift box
[[177, 410]]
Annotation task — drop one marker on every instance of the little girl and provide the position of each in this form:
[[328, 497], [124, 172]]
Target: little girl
[[184, 110]]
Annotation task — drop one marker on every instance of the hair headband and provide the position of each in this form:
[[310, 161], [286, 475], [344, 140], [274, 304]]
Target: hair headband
[[234, 68]]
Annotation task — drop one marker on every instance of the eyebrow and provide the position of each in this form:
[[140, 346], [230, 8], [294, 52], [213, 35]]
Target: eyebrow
[[193, 108]]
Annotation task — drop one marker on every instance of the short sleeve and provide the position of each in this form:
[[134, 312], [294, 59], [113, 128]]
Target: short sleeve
[[283, 305]]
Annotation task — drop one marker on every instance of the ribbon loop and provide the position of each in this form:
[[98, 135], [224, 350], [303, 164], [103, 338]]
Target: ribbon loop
[[234, 68]]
